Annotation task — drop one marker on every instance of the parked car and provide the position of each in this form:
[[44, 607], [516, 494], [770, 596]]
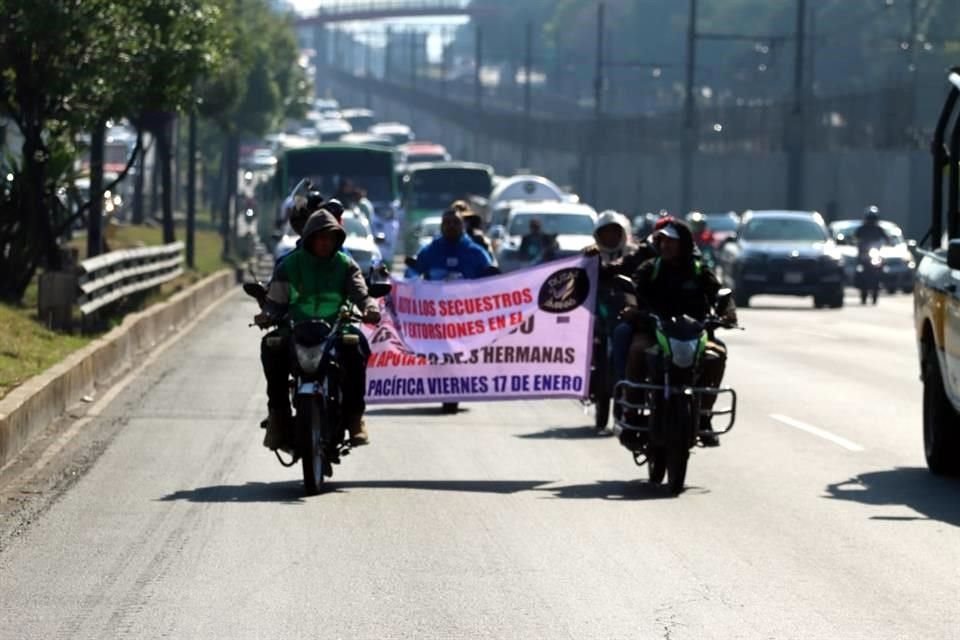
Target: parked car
[[418, 152], [898, 262], [426, 230], [783, 253], [332, 130], [359, 119], [722, 226], [397, 132], [362, 245], [570, 223], [367, 138]]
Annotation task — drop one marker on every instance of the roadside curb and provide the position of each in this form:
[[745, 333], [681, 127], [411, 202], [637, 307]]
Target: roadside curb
[[31, 407]]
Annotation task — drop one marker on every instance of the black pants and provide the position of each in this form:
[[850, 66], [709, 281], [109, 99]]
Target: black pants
[[275, 356]]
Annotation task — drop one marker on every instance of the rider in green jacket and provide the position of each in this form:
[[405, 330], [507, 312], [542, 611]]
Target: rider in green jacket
[[312, 283]]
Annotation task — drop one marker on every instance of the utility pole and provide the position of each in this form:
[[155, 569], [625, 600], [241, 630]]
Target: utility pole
[[913, 68], [191, 184], [367, 70], [796, 133], [598, 86], [443, 60], [413, 58], [95, 217], [528, 65], [689, 115], [598, 79], [478, 65]]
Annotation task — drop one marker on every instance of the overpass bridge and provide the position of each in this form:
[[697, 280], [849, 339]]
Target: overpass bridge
[[338, 11]]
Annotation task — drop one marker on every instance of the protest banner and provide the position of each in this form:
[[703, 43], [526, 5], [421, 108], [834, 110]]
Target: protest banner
[[526, 334]]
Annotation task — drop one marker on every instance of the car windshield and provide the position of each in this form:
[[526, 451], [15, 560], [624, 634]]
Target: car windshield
[[429, 228], [783, 230], [437, 188], [848, 231], [553, 223], [425, 157], [355, 227], [722, 222]]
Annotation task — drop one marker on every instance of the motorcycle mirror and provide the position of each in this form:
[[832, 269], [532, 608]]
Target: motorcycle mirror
[[624, 284], [255, 290], [379, 289]]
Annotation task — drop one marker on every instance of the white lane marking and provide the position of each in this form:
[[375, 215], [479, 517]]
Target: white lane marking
[[817, 431]]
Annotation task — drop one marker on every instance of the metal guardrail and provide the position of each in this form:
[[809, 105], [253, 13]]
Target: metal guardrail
[[111, 276]]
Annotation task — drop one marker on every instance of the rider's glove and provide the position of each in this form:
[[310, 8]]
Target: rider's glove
[[263, 320], [372, 316], [730, 317]]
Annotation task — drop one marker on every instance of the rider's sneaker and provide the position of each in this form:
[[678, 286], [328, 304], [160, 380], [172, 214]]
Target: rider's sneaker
[[358, 432], [708, 439], [276, 425]]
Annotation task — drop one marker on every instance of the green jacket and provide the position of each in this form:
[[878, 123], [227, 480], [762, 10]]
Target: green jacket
[[312, 288]]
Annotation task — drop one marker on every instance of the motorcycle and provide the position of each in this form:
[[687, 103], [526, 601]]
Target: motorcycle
[[662, 428], [869, 274], [319, 440]]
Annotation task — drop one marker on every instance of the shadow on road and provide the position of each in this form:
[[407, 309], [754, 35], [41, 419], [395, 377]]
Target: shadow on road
[[933, 497], [616, 490], [456, 486], [289, 491], [292, 491], [561, 433]]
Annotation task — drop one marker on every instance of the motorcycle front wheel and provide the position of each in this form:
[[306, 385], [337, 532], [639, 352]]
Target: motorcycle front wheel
[[656, 464], [310, 435]]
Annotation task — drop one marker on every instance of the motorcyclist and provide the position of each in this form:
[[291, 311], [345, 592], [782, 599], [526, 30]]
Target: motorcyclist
[[870, 234], [537, 246], [313, 282], [674, 284], [452, 255], [619, 255]]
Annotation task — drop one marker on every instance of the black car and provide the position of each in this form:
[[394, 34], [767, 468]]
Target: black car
[[784, 253]]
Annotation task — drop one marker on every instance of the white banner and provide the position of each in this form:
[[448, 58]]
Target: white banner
[[526, 334]]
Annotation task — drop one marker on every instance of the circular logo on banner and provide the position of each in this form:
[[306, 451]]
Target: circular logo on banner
[[564, 291]]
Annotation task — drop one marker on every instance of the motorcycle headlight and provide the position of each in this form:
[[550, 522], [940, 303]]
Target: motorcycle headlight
[[309, 357], [875, 258], [684, 352]]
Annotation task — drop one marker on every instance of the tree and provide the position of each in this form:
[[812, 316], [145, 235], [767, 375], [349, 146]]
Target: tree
[[64, 68]]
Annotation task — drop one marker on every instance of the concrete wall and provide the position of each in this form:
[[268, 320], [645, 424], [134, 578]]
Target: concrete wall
[[839, 184]]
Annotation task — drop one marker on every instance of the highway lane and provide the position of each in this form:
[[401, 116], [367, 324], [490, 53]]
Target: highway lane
[[510, 520]]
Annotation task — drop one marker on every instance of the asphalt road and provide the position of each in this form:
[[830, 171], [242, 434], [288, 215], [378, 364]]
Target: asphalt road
[[815, 519]]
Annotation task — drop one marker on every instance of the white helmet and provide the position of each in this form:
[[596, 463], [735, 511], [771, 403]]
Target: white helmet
[[609, 217]]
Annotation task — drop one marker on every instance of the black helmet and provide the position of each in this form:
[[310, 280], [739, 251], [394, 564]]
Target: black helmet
[[335, 207], [315, 200], [871, 214]]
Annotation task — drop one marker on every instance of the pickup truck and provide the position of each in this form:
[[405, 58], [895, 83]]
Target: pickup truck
[[937, 296]]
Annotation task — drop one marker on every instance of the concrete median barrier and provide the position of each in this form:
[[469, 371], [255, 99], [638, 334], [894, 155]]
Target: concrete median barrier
[[33, 406]]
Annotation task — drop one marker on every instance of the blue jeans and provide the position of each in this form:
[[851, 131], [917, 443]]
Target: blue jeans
[[622, 336]]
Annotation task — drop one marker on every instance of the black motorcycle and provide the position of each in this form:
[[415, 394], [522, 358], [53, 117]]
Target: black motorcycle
[[662, 427], [319, 439]]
